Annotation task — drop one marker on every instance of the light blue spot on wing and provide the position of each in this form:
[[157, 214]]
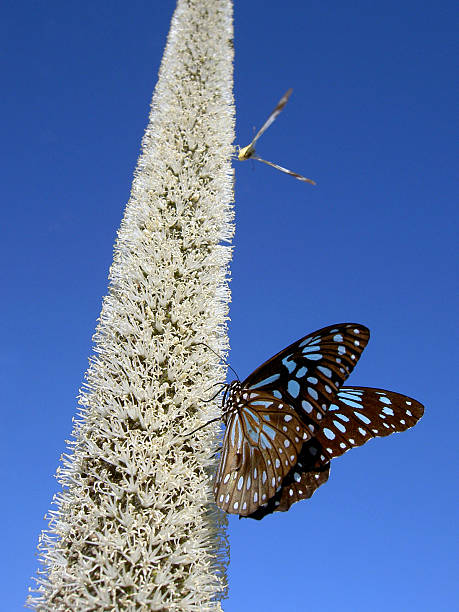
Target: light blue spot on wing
[[314, 356], [310, 349], [290, 365], [264, 442], [277, 394], [362, 417], [266, 381], [350, 403], [251, 432], [251, 413], [301, 372], [269, 431], [350, 395], [325, 371], [236, 424], [293, 388], [264, 403]]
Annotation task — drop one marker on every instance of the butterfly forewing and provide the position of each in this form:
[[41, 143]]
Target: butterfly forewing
[[272, 117], [262, 441], [308, 373], [300, 177]]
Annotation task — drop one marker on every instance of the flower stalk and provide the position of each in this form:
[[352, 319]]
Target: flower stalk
[[135, 527]]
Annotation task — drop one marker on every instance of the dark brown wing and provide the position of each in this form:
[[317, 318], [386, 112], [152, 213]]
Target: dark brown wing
[[308, 373], [358, 414], [300, 483]]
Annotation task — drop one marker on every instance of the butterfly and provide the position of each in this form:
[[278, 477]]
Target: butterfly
[[248, 152], [289, 418]]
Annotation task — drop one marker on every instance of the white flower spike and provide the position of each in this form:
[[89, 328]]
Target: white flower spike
[[136, 527]]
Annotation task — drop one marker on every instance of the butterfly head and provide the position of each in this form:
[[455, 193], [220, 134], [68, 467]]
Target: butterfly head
[[231, 399], [245, 152]]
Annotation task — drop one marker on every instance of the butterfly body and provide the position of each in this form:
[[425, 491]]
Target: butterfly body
[[291, 416], [246, 152]]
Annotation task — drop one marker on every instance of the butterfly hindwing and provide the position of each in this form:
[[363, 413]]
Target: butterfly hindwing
[[300, 483], [262, 441], [358, 414]]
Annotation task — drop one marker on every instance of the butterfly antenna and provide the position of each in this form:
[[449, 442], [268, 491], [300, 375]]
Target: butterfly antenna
[[221, 359]]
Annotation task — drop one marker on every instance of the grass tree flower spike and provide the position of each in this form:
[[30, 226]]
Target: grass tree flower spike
[[135, 526]]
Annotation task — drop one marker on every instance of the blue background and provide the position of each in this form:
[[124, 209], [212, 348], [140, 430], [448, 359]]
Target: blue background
[[371, 120]]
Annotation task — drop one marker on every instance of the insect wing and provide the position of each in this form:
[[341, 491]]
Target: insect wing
[[358, 414], [308, 373], [280, 105], [300, 483], [262, 441], [300, 177]]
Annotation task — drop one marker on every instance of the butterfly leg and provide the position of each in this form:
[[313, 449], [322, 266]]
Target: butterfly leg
[[223, 385], [216, 452]]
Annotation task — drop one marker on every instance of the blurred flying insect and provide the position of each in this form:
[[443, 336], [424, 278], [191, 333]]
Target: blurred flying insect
[[248, 152]]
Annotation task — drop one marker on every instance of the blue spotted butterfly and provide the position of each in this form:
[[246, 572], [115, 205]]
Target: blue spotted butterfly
[[291, 416]]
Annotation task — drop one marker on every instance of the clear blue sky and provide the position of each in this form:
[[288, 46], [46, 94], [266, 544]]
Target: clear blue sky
[[371, 119]]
